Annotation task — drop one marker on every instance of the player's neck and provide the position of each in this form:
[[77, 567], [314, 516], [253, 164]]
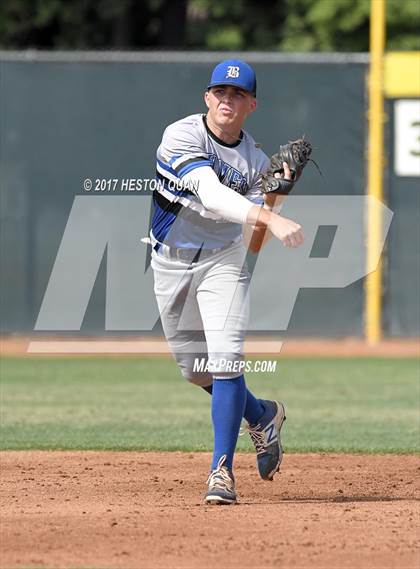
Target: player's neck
[[228, 135]]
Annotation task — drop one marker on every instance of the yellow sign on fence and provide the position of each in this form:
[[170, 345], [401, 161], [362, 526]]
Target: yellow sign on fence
[[402, 74]]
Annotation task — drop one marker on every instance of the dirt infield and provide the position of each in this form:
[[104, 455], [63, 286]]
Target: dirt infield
[[144, 510]]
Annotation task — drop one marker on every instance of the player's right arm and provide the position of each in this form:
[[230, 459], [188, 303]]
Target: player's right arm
[[289, 232], [230, 205]]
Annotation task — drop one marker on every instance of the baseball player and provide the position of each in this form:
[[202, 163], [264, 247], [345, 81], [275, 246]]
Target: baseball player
[[207, 203]]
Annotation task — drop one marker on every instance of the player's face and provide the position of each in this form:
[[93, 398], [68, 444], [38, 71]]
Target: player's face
[[229, 106]]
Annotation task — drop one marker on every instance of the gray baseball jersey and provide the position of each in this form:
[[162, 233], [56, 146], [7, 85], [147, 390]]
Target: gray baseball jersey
[[180, 220]]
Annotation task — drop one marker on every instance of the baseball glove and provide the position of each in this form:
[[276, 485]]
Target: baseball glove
[[296, 154]]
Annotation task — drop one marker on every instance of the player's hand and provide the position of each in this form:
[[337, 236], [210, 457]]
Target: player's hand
[[289, 232]]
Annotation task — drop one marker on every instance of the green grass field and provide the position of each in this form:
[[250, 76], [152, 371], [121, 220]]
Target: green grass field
[[344, 405]]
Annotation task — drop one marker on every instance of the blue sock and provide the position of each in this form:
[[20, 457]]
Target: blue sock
[[227, 409], [254, 409]]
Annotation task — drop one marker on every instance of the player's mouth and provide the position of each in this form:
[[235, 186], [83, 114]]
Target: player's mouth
[[226, 110]]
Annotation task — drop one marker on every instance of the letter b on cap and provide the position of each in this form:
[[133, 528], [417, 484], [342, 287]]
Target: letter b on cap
[[232, 71]]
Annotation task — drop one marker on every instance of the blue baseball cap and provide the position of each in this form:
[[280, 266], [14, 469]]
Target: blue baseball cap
[[234, 72]]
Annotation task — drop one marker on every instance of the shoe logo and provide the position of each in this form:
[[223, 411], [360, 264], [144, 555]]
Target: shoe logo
[[271, 433]]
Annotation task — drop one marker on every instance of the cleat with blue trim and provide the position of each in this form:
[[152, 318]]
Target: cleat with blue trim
[[266, 438]]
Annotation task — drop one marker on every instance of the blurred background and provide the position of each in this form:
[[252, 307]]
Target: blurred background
[[87, 88], [266, 25]]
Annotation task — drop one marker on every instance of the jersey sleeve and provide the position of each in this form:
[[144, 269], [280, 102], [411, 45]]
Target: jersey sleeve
[[181, 150]]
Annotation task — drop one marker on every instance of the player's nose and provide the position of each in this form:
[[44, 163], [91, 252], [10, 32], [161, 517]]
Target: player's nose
[[227, 95]]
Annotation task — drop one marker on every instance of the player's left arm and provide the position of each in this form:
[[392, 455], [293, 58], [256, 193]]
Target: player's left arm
[[256, 237]]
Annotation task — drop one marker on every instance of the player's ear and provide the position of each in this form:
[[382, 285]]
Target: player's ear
[[252, 105], [206, 98]]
